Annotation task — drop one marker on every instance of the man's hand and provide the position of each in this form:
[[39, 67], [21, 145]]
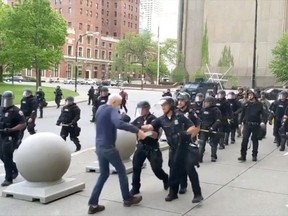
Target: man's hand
[[30, 120], [141, 135], [58, 123], [193, 131], [262, 125], [147, 128]]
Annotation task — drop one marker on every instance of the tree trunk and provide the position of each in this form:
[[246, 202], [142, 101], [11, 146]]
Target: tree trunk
[[1, 73]]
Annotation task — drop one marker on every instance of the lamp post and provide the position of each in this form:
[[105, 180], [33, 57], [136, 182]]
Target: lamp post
[[255, 46]]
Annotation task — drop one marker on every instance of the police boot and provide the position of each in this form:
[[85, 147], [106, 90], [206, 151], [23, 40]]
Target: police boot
[[171, 196], [254, 158], [41, 114], [197, 198], [182, 190], [282, 144], [77, 143], [226, 139], [213, 153], [242, 158]]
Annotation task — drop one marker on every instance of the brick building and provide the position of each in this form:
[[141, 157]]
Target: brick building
[[97, 25]]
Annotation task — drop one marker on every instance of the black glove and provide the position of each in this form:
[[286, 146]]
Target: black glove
[[211, 129], [7, 130], [58, 123]]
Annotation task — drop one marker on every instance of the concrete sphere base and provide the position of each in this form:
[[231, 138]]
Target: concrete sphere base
[[43, 157], [125, 144]]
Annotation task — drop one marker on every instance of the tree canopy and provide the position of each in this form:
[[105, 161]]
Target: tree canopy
[[279, 64], [33, 35]]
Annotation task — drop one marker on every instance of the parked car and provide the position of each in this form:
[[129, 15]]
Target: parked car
[[199, 87], [14, 78], [69, 81], [81, 81], [90, 82]]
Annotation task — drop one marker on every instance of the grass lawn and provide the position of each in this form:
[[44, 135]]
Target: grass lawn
[[18, 91]]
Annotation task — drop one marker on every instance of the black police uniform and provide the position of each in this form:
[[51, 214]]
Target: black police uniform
[[29, 107], [210, 122], [70, 114], [167, 94], [197, 107], [283, 131], [226, 113], [147, 148], [277, 110], [190, 114], [179, 158], [40, 95], [236, 108], [9, 141], [252, 115], [58, 96], [90, 95], [96, 103]]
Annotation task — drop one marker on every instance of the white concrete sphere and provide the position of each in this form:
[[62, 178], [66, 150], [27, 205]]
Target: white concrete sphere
[[43, 157], [125, 144]]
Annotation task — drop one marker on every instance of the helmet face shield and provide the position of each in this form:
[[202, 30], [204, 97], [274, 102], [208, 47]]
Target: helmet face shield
[[199, 99], [7, 99]]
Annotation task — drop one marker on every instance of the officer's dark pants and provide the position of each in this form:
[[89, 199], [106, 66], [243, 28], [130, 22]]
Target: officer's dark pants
[[31, 126], [93, 113], [123, 105], [277, 126], [7, 146], [41, 110], [57, 101], [248, 129], [154, 155], [90, 98], [66, 130], [223, 140], [203, 137], [232, 132]]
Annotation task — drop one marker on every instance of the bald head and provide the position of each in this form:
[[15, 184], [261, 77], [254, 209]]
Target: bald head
[[114, 100]]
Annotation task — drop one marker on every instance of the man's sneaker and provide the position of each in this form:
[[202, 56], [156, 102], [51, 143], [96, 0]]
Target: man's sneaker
[[15, 174], [197, 199], [165, 185], [282, 148], [170, 197], [275, 141], [78, 148], [242, 158], [93, 210], [134, 191], [6, 183], [132, 201], [221, 147], [182, 190], [213, 159], [232, 141], [254, 158]]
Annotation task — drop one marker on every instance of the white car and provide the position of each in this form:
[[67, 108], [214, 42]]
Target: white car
[[90, 82]]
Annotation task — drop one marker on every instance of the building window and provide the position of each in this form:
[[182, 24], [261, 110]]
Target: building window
[[115, 13], [124, 5], [103, 55], [115, 34], [131, 8], [29, 72], [107, 22], [131, 16], [80, 71], [96, 41], [128, 15], [88, 53], [90, 13], [107, 13], [56, 1], [60, 1], [136, 9], [96, 15], [80, 51], [56, 71], [70, 51], [103, 44], [115, 5], [96, 29], [81, 10], [135, 26], [96, 5], [69, 68], [107, 33], [124, 23], [60, 10], [128, 24], [107, 4], [110, 56], [80, 26], [87, 2], [115, 22], [135, 18], [81, 2], [86, 12], [124, 14], [102, 2], [95, 73], [102, 20], [96, 53], [70, 24], [69, 10], [80, 39], [90, 3], [102, 11], [88, 40], [110, 45]]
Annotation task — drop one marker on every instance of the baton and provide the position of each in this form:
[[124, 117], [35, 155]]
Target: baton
[[67, 125], [214, 132]]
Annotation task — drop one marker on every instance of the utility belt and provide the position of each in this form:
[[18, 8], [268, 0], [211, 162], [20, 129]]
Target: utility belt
[[148, 147], [252, 123]]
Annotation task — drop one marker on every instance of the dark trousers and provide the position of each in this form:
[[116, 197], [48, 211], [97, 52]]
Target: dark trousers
[[57, 101], [154, 155], [66, 130], [180, 165], [123, 105], [41, 111], [90, 98], [7, 146], [249, 129], [277, 126], [93, 113], [232, 132], [203, 137], [106, 156]]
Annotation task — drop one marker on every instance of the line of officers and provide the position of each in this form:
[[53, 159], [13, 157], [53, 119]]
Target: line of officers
[[14, 121]]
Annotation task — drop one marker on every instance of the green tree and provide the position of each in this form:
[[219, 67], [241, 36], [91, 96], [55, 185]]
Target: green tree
[[34, 35], [279, 64], [205, 47], [226, 60], [169, 52]]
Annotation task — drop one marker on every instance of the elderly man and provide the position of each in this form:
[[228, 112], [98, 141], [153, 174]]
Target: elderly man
[[108, 120]]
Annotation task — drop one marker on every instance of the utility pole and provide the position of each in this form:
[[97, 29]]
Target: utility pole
[[255, 46]]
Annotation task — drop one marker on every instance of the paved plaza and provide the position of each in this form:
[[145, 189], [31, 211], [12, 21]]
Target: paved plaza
[[230, 188]]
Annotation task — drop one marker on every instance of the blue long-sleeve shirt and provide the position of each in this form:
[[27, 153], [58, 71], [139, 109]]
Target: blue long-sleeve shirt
[[108, 120]]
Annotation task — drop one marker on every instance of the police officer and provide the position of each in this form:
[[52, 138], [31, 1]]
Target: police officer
[[240, 93], [147, 148], [283, 131], [226, 114], [40, 95], [277, 111], [102, 99], [236, 108], [253, 118], [167, 93], [183, 106], [12, 121], [29, 107], [70, 114], [197, 105], [178, 130], [58, 96], [90, 94], [210, 123]]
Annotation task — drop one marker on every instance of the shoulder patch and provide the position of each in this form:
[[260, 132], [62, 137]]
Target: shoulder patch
[[21, 113]]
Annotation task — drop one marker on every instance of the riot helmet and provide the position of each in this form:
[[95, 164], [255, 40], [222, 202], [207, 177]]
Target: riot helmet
[[104, 91], [209, 101], [27, 93], [221, 94], [263, 95], [231, 96], [183, 99], [69, 100], [240, 90], [169, 101], [7, 99], [199, 98], [143, 108], [283, 95], [251, 95]]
